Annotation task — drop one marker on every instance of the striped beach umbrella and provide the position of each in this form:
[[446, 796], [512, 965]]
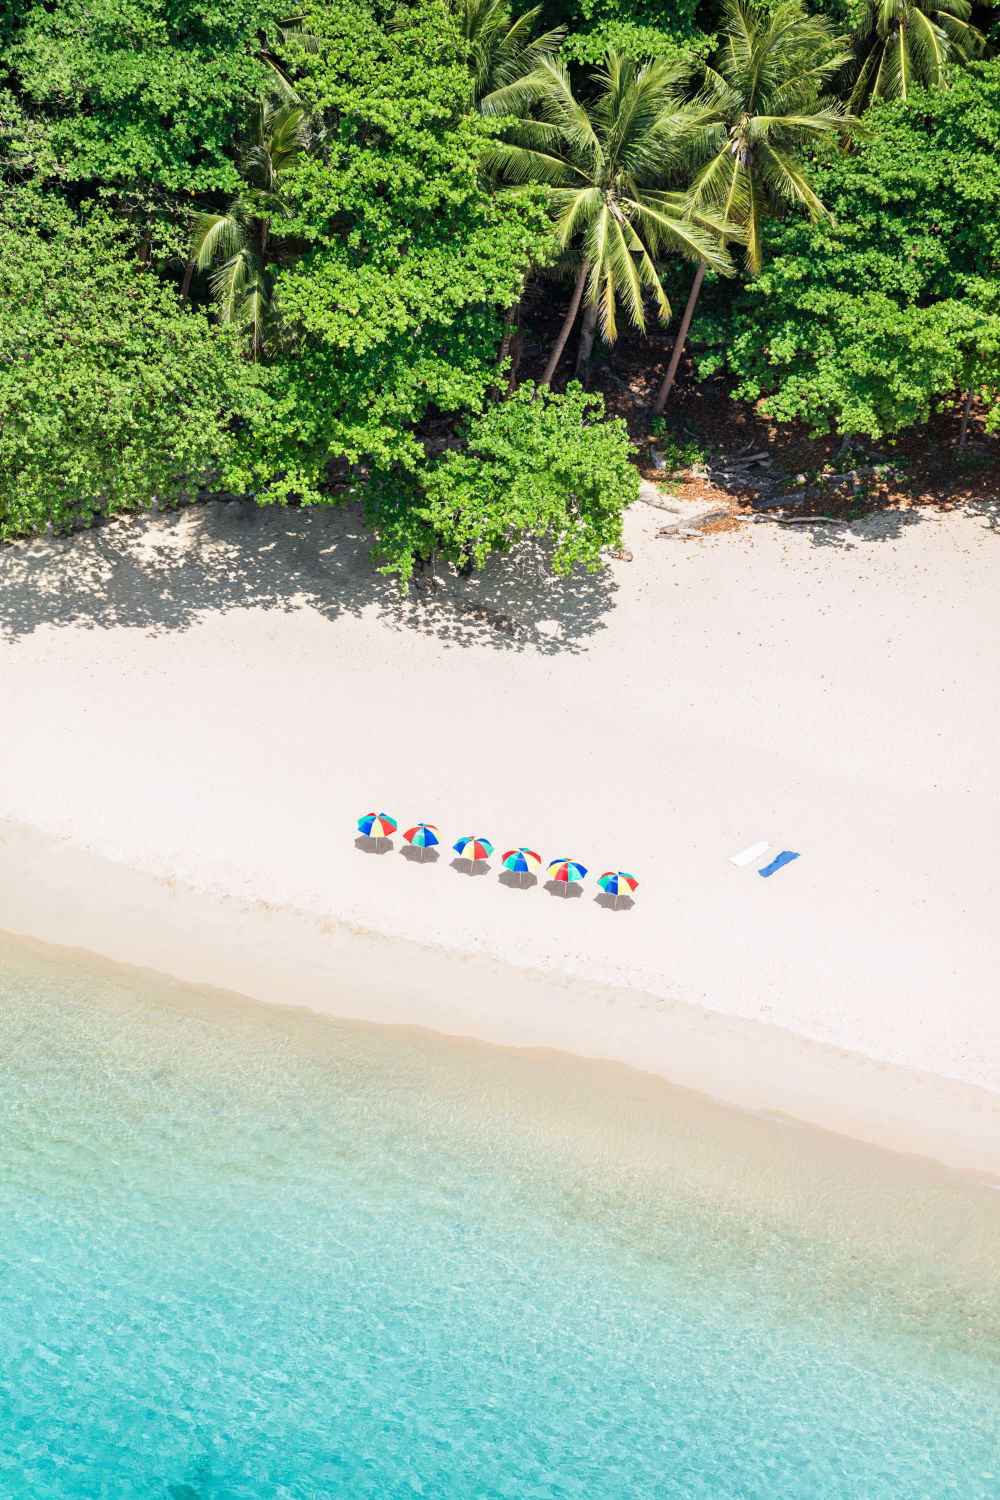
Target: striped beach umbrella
[[522, 861], [422, 836], [565, 870], [377, 826], [473, 849], [617, 883]]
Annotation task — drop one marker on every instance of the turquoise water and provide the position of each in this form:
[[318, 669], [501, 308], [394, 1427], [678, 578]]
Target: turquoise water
[[248, 1253]]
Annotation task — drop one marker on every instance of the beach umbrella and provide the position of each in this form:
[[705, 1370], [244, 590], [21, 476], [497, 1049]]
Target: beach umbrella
[[522, 861], [566, 870], [473, 849], [617, 883], [377, 826], [422, 836]]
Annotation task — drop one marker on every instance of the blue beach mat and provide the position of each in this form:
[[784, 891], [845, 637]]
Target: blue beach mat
[[784, 858]]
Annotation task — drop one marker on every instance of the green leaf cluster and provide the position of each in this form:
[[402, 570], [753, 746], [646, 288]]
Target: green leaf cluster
[[142, 94], [539, 465], [411, 257], [111, 395], [864, 323]]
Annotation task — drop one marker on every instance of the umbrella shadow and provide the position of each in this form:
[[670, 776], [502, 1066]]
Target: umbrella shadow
[[625, 903], [412, 853], [373, 846], [470, 866], [571, 891], [515, 882]]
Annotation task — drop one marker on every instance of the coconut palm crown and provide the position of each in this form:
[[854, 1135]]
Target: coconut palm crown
[[903, 44], [243, 285], [766, 92], [503, 54], [605, 165]]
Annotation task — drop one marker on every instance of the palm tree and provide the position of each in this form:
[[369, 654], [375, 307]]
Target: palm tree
[[604, 165], [905, 44], [243, 285], [764, 104], [503, 55]]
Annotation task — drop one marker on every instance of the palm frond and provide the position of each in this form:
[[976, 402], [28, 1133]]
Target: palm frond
[[790, 181], [215, 235], [927, 45], [523, 164]]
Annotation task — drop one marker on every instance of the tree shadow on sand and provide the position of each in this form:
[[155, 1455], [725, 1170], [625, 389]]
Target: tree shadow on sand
[[167, 572], [885, 525]]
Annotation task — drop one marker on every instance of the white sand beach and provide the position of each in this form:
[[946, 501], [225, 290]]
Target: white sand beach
[[213, 697]]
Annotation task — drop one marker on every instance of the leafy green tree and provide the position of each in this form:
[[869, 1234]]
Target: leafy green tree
[[144, 96], [111, 395], [865, 321], [541, 464], [604, 166], [632, 28], [409, 257], [503, 53], [764, 110], [905, 44], [243, 236]]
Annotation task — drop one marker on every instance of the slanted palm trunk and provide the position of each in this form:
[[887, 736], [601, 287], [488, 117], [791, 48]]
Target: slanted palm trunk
[[586, 347], [678, 350], [568, 321]]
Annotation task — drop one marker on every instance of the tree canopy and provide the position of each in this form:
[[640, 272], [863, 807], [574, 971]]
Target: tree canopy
[[111, 395], [862, 323], [320, 252]]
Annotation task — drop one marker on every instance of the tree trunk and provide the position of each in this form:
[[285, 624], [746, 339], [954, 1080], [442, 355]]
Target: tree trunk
[[966, 410], [516, 348], [678, 349], [564, 332], [186, 283], [509, 324], [586, 347], [510, 329]]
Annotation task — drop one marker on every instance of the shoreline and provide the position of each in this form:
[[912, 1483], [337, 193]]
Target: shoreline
[[62, 896]]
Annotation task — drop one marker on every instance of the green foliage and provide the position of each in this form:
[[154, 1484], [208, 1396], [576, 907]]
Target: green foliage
[[143, 95], [865, 322], [503, 53], [906, 44], [539, 465], [765, 94], [679, 453], [399, 300], [245, 234], [638, 29], [604, 164], [110, 395]]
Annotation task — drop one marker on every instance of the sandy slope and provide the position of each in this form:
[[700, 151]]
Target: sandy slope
[[218, 695]]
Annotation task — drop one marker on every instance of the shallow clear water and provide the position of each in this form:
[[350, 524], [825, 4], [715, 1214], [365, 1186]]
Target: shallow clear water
[[250, 1253]]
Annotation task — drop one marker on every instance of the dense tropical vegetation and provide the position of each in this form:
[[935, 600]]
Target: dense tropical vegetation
[[340, 251]]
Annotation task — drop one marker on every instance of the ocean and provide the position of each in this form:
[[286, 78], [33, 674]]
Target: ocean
[[249, 1253]]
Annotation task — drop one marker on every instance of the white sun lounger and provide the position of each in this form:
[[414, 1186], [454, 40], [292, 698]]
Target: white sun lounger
[[747, 856]]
